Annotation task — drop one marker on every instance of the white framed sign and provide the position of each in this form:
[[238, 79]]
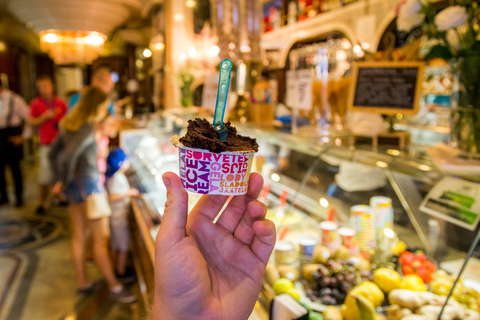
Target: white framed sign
[[454, 200], [299, 89]]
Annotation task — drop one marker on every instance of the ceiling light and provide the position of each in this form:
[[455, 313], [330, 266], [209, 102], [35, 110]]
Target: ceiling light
[[357, 49], [190, 3], [50, 38], [192, 52], [72, 47], [159, 46], [147, 53], [365, 46], [157, 43], [94, 39], [178, 17], [341, 55], [214, 51], [245, 48], [183, 56]]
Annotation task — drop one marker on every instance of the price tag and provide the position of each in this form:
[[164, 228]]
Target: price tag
[[299, 89], [290, 83]]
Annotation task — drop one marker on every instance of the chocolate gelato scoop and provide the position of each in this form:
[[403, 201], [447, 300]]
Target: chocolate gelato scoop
[[201, 135]]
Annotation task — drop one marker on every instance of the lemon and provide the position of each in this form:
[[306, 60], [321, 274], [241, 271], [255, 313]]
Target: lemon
[[399, 248], [414, 283], [282, 285], [376, 292], [387, 279], [294, 293]]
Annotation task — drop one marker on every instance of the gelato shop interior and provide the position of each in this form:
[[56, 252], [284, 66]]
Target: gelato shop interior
[[333, 147]]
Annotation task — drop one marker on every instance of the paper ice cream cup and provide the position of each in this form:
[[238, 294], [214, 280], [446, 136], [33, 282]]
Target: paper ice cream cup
[[207, 172]]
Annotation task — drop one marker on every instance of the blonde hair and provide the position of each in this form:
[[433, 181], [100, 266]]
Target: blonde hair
[[86, 110]]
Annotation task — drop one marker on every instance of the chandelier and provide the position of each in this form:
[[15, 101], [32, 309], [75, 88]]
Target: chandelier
[[72, 47]]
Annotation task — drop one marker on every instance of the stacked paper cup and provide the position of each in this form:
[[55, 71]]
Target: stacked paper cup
[[362, 221], [383, 213]]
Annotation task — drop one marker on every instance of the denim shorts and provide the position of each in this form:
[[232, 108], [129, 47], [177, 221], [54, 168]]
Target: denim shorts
[[76, 193]]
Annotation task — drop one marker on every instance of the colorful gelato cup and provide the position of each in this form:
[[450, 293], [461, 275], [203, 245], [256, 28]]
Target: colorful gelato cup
[[207, 172]]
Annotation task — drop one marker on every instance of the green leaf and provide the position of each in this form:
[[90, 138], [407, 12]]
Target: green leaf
[[439, 51], [315, 316]]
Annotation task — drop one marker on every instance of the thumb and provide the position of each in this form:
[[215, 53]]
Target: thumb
[[174, 220]]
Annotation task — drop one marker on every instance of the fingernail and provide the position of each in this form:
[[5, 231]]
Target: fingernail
[[167, 182]]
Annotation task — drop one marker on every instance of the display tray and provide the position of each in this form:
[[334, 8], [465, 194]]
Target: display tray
[[307, 187]]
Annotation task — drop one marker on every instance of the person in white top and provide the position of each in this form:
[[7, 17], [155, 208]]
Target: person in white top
[[119, 195], [14, 129]]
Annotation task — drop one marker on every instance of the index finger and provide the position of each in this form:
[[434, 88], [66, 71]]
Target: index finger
[[209, 206]]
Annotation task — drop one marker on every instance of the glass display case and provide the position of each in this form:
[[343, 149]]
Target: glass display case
[[325, 66], [308, 183]]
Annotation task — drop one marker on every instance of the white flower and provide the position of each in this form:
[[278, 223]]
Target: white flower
[[454, 40], [451, 17], [409, 16]]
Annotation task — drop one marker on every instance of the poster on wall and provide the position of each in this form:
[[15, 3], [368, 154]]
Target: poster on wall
[[454, 200]]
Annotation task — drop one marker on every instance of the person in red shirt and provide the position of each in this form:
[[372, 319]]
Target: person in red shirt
[[46, 112]]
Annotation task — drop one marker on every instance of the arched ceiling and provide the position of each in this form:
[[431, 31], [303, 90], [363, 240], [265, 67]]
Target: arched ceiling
[[88, 15]]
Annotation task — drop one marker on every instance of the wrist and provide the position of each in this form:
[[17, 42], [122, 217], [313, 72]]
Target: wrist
[[160, 312]]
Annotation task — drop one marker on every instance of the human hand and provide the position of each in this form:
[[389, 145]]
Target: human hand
[[57, 188], [207, 270], [17, 140], [134, 192]]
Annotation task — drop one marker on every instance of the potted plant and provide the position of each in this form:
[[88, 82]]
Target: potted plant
[[455, 35]]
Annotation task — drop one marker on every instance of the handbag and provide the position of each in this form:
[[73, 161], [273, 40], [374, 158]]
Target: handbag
[[96, 204]]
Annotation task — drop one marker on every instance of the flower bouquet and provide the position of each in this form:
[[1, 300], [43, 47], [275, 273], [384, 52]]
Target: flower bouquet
[[454, 33]]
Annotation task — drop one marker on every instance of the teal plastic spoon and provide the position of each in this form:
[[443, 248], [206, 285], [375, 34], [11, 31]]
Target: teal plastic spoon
[[223, 83]]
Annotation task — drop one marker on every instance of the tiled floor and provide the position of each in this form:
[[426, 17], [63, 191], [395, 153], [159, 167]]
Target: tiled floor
[[38, 282]]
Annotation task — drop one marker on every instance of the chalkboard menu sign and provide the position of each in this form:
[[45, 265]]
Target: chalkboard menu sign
[[386, 87]]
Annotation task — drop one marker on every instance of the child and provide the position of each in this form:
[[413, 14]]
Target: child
[[119, 195]]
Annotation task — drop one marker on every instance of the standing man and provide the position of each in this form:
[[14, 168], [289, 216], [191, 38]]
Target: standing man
[[14, 129], [46, 111], [102, 79]]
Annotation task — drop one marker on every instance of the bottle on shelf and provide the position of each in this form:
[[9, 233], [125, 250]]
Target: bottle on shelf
[[241, 109], [292, 13]]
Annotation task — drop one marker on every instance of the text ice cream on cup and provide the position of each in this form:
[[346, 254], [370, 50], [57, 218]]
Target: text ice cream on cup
[[211, 166]]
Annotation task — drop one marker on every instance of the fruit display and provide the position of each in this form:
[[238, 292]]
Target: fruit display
[[443, 282], [387, 279], [331, 282], [417, 263], [324, 269], [411, 305], [413, 282]]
